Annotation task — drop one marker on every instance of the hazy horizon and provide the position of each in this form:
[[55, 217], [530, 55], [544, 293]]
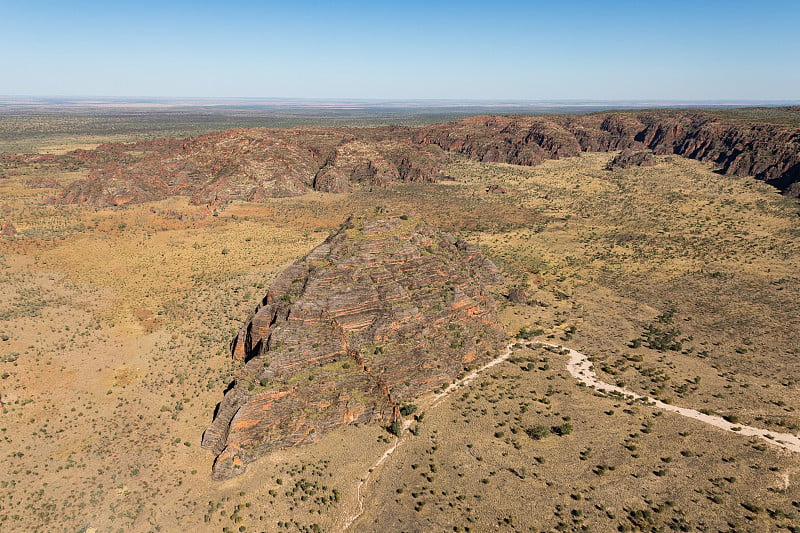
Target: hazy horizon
[[212, 100], [61, 104]]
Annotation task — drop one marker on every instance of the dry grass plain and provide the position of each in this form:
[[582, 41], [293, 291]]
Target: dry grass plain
[[116, 322]]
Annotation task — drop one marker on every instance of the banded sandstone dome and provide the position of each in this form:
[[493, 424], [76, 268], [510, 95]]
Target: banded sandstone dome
[[385, 310]]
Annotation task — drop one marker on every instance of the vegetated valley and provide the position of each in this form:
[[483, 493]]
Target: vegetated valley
[[128, 268]]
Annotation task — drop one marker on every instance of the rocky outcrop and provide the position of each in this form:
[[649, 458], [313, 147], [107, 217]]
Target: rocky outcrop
[[630, 158], [249, 164], [518, 295], [7, 229], [255, 164], [386, 309], [20, 160], [518, 140], [768, 152], [43, 183]]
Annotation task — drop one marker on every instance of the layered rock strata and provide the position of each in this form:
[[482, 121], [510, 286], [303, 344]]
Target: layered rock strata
[[249, 164], [385, 310], [255, 164], [768, 152]]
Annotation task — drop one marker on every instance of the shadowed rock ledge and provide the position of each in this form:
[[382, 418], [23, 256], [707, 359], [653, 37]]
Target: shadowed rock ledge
[[768, 152], [383, 311]]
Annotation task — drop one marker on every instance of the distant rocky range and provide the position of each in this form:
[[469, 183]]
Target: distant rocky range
[[385, 310], [250, 164], [768, 152], [254, 164]]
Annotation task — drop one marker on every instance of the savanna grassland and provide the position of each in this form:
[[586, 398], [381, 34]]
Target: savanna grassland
[[682, 284], [58, 126]]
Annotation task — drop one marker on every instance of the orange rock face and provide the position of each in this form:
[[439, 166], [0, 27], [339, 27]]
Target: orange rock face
[[249, 164], [386, 309], [765, 151], [255, 164]]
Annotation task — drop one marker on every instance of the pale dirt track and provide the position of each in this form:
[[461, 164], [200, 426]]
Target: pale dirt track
[[432, 402], [580, 368]]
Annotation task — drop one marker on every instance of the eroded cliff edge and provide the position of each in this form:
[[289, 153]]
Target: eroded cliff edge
[[255, 164], [383, 311], [769, 152]]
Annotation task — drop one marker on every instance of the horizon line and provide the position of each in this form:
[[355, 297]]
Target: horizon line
[[326, 99]]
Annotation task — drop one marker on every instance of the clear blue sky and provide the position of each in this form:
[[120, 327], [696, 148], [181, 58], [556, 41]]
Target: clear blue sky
[[405, 49]]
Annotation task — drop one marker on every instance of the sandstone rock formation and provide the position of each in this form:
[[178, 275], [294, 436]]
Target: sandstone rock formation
[[766, 151], [249, 164], [43, 183], [254, 164], [518, 295], [630, 158], [19, 160], [386, 309], [7, 229]]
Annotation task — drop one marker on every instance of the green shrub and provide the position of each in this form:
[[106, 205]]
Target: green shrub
[[537, 432]]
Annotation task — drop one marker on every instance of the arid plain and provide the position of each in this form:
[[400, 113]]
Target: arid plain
[[679, 282]]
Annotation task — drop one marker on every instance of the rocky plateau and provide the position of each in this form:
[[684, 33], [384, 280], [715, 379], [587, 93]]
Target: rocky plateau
[[255, 164], [766, 151]]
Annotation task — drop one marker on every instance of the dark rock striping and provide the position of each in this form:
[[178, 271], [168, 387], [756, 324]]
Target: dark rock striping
[[386, 309], [765, 151], [250, 164], [631, 158]]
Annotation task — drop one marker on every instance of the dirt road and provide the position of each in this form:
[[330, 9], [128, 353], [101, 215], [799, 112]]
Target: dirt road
[[580, 367]]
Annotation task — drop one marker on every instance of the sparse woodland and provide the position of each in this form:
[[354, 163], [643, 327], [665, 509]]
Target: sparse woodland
[[680, 282]]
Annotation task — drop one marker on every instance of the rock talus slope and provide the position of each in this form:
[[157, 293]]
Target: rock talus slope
[[385, 310]]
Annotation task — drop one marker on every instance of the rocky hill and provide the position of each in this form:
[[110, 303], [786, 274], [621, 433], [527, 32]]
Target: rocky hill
[[253, 164], [385, 310], [768, 152], [249, 164], [630, 158]]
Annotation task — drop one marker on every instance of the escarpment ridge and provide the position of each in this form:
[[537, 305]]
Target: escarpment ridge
[[249, 164], [385, 310], [768, 152], [255, 164]]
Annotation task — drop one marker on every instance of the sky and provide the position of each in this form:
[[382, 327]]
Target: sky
[[484, 50]]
